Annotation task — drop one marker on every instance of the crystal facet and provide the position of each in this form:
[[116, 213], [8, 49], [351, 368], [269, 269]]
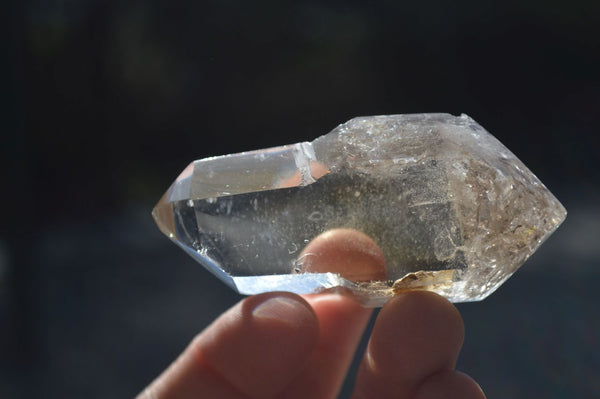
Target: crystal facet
[[451, 209]]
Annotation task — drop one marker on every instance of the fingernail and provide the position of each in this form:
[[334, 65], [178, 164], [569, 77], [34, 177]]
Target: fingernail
[[283, 309]]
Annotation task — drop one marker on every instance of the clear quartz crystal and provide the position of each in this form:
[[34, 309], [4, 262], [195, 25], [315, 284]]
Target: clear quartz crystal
[[452, 210]]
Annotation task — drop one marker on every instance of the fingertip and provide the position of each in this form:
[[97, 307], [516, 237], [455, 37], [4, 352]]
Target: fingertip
[[261, 344], [417, 334], [418, 325], [347, 252], [449, 385], [342, 321]]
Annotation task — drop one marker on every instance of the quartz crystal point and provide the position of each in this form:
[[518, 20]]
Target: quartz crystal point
[[452, 210]]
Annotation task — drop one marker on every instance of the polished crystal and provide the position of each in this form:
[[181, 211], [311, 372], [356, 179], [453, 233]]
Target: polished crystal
[[451, 208]]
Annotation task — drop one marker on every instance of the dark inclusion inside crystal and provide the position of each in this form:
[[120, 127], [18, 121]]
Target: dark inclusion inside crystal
[[266, 231]]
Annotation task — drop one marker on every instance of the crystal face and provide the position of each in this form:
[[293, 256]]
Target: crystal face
[[449, 207]]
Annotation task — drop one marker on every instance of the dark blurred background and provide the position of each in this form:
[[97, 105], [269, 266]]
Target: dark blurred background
[[107, 101]]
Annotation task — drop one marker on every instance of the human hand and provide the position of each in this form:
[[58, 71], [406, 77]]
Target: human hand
[[281, 345]]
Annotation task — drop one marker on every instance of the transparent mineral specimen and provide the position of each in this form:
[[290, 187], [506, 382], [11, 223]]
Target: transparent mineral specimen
[[452, 210]]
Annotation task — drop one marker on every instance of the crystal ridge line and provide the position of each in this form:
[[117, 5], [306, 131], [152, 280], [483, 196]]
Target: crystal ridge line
[[451, 208]]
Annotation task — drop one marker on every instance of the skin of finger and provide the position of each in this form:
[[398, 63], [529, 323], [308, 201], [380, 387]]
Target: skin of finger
[[189, 378], [449, 385], [342, 322], [254, 350], [348, 252], [261, 345], [353, 255], [417, 334]]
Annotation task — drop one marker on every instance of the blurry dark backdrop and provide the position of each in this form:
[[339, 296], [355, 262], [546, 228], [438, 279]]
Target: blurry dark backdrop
[[107, 101]]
